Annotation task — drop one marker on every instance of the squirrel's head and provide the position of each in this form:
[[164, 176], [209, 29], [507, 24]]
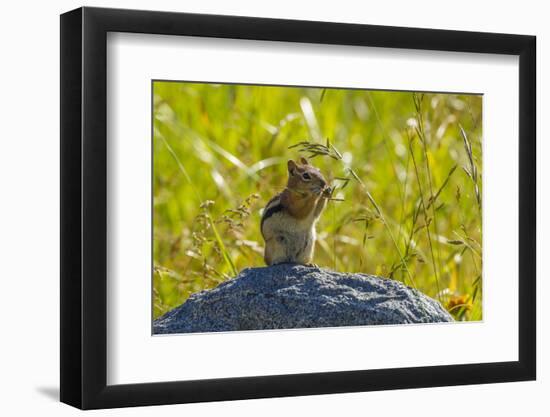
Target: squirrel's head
[[305, 178]]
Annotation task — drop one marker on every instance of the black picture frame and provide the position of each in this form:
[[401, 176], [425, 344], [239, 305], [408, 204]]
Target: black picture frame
[[84, 207]]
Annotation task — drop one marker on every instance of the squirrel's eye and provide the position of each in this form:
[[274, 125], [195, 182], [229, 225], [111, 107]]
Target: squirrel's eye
[[306, 176]]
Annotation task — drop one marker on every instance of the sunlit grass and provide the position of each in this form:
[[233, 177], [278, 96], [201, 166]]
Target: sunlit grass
[[406, 168]]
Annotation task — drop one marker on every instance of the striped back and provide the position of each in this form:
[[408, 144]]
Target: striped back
[[273, 206]]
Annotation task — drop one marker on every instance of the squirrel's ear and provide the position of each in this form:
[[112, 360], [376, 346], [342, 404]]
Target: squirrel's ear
[[304, 161], [291, 166]]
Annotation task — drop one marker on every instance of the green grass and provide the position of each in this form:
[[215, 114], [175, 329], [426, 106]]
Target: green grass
[[406, 166]]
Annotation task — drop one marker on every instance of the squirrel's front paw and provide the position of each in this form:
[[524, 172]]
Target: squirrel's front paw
[[327, 192]]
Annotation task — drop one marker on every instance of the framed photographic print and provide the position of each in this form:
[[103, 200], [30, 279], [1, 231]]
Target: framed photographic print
[[256, 207]]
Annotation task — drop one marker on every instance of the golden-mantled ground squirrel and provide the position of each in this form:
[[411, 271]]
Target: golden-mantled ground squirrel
[[288, 220]]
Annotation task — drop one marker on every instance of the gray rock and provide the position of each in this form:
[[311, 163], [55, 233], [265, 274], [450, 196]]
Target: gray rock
[[295, 296]]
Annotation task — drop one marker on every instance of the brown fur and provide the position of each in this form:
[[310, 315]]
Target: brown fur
[[298, 206], [288, 222]]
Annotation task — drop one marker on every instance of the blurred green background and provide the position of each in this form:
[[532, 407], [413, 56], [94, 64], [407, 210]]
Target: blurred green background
[[406, 167]]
